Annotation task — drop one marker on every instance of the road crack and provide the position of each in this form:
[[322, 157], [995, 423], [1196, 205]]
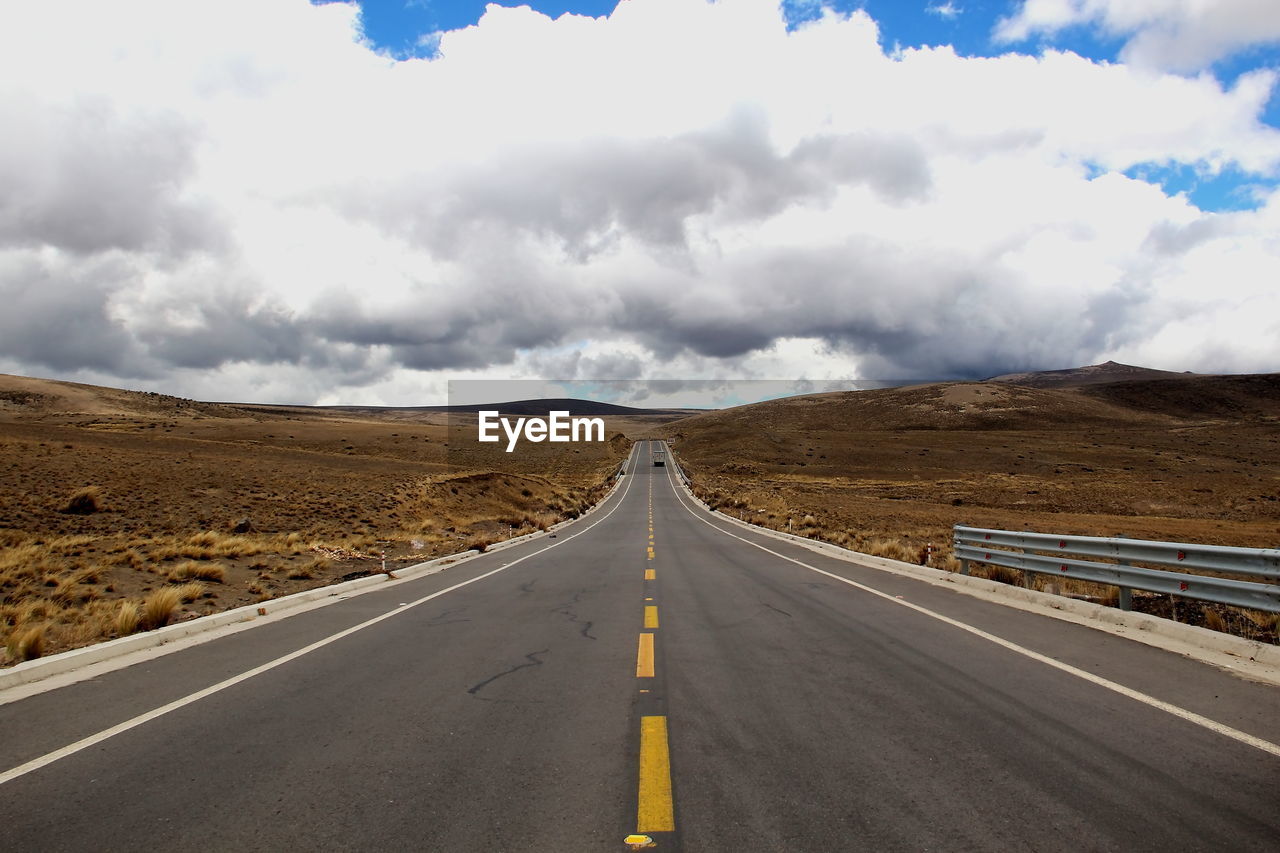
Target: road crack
[[442, 618], [567, 610], [532, 659]]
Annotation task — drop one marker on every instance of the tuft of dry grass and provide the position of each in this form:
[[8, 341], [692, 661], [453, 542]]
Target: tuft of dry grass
[[127, 619], [309, 570], [1001, 574], [481, 543], [159, 608], [193, 571], [85, 501], [891, 549], [189, 592], [26, 643], [11, 538]]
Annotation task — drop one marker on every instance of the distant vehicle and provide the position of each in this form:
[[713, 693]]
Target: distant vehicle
[[660, 458]]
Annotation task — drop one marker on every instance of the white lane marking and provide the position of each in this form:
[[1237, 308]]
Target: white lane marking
[[1182, 713], [91, 740]]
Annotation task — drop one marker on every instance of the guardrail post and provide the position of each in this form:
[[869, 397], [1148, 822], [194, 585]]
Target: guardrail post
[[964, 567], [1125, 600]]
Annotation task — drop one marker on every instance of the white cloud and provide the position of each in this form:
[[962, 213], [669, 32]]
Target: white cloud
[[239, 199], [1179, 35], [947, 10]]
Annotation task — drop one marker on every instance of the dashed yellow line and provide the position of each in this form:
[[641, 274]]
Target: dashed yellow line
[[656, 812], [651, 615], [644, 657], [649, 574]]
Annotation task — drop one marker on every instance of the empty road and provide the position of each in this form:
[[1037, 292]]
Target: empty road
[[651, 671]]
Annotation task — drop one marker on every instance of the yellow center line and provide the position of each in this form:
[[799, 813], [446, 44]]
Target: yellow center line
[[648, 574], [644, 657], [656, 812], [650, 615]]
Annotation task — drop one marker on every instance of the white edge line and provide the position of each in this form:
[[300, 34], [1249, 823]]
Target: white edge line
[[119, 728], [1182, 713]]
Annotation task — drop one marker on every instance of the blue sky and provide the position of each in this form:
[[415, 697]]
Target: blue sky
[[399, 27]]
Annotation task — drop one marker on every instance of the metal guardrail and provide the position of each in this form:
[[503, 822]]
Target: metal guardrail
[[675, 463], [1050, 554]]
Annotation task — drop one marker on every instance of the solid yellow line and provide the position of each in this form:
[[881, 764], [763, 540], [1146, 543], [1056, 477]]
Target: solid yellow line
[[656, 812], [644, 657], [651, 616], [648, 574]]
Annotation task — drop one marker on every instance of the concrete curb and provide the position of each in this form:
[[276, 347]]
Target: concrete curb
[[64, 662], [1059, 607]]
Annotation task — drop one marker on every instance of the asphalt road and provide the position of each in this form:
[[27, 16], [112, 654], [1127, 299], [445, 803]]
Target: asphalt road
[[651, 672]]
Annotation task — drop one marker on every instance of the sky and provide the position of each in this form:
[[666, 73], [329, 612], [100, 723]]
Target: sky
[[314, 202]]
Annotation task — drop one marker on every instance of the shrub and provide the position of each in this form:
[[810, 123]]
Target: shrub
[[26, 643], [1003, 574], [480, 543], [308, 570], [159, 607], [84, 501], [127, 619], [189, 592], [193, 571]]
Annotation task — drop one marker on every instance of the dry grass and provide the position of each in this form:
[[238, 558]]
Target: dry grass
[[84, 501], [207, 545], [174, 481], [26, 643], [127, 619], [1213, 620], [314, 568], [159, 607], [189, 592], [890, 472], [194, 571]]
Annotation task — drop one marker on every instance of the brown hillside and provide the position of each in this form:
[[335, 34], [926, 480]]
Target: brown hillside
[[1094, 374], [108, 497], [1248, 398], [890, 471]]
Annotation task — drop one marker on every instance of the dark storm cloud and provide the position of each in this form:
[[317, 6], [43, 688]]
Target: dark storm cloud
[[585, 196], [85, 179], [230, 328], [58, 315], [900, 313]]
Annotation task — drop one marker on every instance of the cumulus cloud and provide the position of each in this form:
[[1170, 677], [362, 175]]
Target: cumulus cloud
[[243, 200], [1180, 35]]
